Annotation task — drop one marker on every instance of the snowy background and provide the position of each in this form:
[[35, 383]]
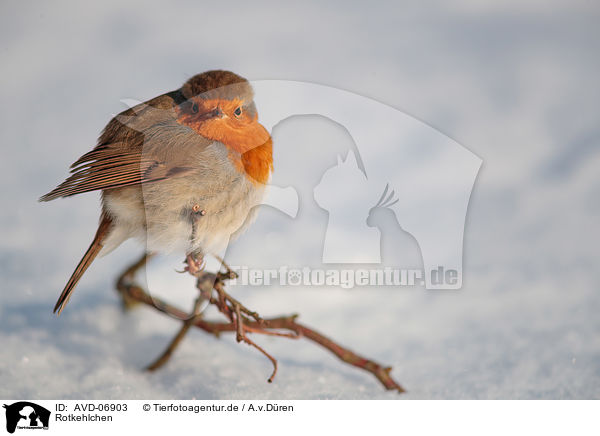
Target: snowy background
[[515, 83]]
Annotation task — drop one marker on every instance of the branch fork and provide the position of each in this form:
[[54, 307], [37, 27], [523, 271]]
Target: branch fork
[[240, 320]]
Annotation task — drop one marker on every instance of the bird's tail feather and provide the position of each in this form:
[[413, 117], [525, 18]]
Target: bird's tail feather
[[84, 263]]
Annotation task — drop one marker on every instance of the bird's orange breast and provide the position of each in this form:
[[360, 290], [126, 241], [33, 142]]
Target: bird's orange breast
[[249, 143], [258, 162]]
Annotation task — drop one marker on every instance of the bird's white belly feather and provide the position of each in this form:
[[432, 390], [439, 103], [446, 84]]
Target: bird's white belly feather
[[161, 214]]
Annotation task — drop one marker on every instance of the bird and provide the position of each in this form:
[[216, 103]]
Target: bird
[[182, 171]]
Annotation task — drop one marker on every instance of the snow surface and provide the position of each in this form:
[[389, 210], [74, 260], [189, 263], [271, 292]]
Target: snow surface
[[516, 84]]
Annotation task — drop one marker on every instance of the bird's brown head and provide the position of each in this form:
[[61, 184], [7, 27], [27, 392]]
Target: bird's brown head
[[219, 105]]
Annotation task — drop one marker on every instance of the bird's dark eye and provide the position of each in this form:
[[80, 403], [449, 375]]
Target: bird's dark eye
[[195, 108], [238, 111]]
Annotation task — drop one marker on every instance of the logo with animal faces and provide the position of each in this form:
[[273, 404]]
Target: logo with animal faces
[[26, 415], [359, 183], [398, 191]]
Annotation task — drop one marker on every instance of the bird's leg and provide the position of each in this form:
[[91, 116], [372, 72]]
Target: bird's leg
[[194, 261]]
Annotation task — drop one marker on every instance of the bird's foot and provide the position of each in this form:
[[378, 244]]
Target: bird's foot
[[194, 265]]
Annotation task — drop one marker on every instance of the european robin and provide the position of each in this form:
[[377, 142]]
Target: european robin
[[182, 171]]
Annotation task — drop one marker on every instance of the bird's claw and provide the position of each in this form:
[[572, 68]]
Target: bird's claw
[[194, 266]]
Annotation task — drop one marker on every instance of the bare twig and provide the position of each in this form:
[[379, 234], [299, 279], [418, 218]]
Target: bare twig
[[178, 337], [241, 321]]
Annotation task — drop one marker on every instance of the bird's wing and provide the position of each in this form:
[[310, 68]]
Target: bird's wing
[[143, 144]]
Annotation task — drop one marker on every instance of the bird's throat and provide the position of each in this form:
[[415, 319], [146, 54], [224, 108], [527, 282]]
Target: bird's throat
[[249, 143], [250, 147]]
